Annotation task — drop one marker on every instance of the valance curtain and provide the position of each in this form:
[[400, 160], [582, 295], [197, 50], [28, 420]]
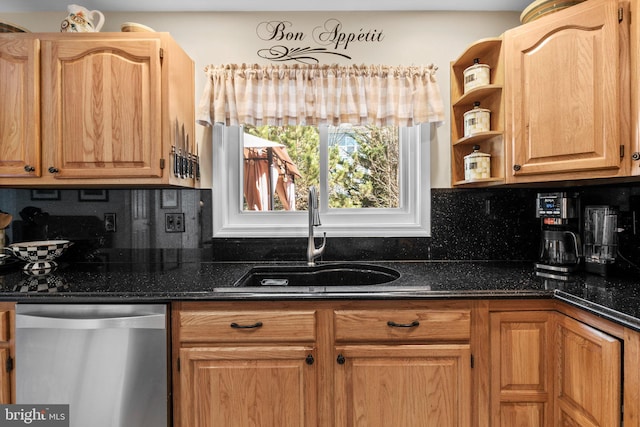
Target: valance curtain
[[320, 94]]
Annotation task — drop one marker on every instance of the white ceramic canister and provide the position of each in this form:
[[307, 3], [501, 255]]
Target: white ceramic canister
[[477, 165], [476, 75], [477, 120]]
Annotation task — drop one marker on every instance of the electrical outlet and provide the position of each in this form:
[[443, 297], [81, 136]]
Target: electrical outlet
[[110, 222], [174, 222]]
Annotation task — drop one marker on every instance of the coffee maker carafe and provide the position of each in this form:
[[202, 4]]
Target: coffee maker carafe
[[560, 245]]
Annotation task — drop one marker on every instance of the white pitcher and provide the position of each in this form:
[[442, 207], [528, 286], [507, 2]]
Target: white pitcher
[[81, 20]]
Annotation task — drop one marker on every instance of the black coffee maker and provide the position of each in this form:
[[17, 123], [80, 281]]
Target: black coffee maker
[[560, 245]]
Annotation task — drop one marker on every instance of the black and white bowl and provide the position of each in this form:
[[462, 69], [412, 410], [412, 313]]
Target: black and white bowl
[[39, 255]]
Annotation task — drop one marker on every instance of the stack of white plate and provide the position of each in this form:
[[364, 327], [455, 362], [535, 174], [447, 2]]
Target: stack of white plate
[[540, 8]]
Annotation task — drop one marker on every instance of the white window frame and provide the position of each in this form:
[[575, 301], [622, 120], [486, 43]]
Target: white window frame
[[411, 219]]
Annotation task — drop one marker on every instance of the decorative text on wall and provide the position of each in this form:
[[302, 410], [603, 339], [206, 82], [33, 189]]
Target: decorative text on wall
[[332, 37]]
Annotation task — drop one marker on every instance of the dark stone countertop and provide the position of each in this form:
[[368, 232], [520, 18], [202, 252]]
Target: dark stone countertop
[[131, 276]]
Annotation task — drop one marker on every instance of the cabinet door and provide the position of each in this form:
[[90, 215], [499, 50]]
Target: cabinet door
[[6, 396], [563, 94], [403, 385], [7, 351], [101, 114], [588, 376], [248, 387], [521, 369], [19, 107]]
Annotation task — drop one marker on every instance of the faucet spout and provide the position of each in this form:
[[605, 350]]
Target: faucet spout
[[314, 220]]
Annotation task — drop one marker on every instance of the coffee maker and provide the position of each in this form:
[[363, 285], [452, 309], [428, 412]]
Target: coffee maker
[[560, 245], [600, 239]]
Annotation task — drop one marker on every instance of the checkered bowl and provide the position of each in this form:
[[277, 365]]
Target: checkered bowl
[[39, 251], [49, 283]]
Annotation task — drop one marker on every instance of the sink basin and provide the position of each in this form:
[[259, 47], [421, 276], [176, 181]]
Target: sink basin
[[343, 274]]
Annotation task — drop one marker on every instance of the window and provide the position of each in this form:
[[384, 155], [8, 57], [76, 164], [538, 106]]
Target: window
[[405, 212]]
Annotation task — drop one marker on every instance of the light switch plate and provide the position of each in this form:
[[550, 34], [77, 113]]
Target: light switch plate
[[174, 222], [110, 222]]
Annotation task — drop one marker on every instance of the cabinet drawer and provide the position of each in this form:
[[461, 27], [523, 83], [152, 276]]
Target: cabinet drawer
[[248, 326], [402, 325]]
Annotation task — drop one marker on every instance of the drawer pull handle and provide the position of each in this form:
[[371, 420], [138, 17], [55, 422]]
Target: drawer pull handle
[[340, 359], [403, 325], [234, 325]]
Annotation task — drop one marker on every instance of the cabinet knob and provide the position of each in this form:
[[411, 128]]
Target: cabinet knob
[[29, 168], [340, 359], [635, 156], [309, 359], [53, 170], [517, 167]]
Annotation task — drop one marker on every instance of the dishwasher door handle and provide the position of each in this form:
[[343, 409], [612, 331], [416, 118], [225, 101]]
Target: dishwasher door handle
[[127, 321]]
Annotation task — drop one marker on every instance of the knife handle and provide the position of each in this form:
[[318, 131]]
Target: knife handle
[[174, 154]]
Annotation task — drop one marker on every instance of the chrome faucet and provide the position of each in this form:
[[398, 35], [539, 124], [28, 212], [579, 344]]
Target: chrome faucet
[[314, 220]]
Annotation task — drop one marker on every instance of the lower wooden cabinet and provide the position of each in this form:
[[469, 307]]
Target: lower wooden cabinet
[[324, 363], [403, 385], [588, 375], [245, 367], [521, 369], [409, 363], [248, 386], [7, 353], [548, 369], [402, 366]]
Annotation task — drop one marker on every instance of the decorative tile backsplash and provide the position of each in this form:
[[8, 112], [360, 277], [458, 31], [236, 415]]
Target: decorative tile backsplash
[[479, 224]]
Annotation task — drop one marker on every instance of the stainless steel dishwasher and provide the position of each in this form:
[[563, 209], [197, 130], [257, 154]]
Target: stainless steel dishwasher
[[108, 362]]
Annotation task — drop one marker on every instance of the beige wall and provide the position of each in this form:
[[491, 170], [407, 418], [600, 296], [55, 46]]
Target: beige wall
[[410, 38]]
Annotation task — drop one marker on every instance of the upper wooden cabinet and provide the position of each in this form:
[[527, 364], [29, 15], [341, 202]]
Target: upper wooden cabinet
[[19, 107], [96, 109], [560, 98], [567, 94], [101, 108]]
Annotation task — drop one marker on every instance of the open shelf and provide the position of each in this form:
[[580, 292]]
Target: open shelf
[[487, 51], [477, 138], [479, 182], [481, 92]]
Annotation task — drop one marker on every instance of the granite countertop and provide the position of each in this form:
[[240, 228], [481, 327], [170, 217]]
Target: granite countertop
[[172, 275]]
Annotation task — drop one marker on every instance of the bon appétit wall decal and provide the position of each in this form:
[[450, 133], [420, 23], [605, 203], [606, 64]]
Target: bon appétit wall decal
[[330, 38]]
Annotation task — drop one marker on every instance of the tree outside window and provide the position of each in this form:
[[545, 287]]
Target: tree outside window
[[363, 163]]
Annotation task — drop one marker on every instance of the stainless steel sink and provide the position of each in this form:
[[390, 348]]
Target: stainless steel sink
[[330, 274]]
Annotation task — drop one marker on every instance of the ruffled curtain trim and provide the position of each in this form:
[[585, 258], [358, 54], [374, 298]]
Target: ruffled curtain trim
[[378, 95]]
